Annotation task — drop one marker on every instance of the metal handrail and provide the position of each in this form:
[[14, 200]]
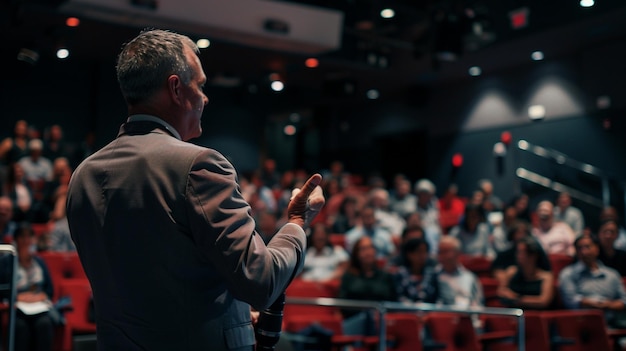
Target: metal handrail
[[565, 160], [10, 249], [383, 307]]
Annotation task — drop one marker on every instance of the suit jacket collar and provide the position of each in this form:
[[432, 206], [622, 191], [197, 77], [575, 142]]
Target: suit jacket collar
[[142, 124]]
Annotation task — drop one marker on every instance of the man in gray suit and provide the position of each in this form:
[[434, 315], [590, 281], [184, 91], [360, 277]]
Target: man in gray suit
[[164, 235]]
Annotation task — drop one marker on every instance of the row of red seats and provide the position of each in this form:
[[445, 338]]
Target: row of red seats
[[572, 330], [69, 279]]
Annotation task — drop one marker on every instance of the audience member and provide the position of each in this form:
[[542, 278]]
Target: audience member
[[414, 275], [323, 260], [565, 212], [609, 255], [33, 324], [13, 148], [54, 146], [379, 199], [37, 168], [59, 237], [490, 202], [455, 284], [335, 195], [526, 285], [499, 238], [7, 225], [381, 238], [409, 233], [56, 189], [364, 280], [451, 208], [269, 174], [413, 219], [555, 237], [427, 207], [266, 224], [609, 212], [402, 201], [508, 258], [588, 283], [521, 205], [16, 189], [474, 233], [347, 217]]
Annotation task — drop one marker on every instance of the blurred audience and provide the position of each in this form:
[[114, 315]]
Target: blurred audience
[[364, 280], [455, 284], [526, 285], [13, 148], [610, 255], [428, 210], [414, 275], [490, 201], [474, 233], [323, 260], [347, 217], [33, 325], [588, 283], [555, 237], [565, 212], [17, 190], [379, 199], [368, 227], [610, 213], [402, 201], [7, 225], [508, 258], [54, 146], [451, 208]]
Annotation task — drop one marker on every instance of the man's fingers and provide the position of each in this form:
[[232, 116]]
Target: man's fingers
[[316, 199], [309, 186]]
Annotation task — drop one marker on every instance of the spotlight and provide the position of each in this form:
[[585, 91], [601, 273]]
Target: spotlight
[[387, 13], [537, 55], [587, 3], [475, 71], [536, 112], [63, 53], [277, 85], [203, 43], [372, 94]]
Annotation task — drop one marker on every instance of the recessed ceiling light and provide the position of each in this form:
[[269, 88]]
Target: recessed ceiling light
[[63, 53], [475, 71], [203, 43], [536, 112], [387, 13], [372, 94], [537, 55], [587, 3], [277, 85]]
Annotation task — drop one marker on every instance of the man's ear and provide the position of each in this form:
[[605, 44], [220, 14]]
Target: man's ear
[[174, 86]]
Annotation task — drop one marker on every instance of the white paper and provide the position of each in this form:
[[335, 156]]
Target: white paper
[[31, 308]]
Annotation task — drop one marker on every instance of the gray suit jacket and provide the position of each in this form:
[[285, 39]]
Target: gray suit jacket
[[169, 246]]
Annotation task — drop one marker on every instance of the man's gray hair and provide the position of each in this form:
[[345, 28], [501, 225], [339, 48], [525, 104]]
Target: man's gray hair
[[452, 241], [146, 61]]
